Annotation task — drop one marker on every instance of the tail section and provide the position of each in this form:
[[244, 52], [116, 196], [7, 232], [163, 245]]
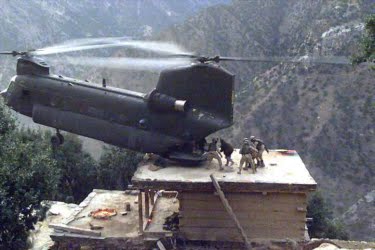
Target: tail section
[[204, 86]]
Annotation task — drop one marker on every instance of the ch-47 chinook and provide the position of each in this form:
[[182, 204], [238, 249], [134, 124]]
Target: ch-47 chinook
[[190, 102]]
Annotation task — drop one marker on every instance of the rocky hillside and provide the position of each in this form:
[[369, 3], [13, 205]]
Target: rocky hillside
[[360, 216], [32, 24], [325, 112], [35, 24]]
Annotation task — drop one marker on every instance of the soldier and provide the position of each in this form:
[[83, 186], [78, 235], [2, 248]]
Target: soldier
[[227, 149], [202, 144], [213, 152], [246, 152], [260, 146]]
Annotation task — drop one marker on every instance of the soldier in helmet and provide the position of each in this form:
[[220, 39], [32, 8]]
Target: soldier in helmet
[[227, 149], [260, 146], [246, 152], [214, 153]]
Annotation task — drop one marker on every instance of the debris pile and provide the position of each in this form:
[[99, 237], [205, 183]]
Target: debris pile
[[171, 222], [103, 213]]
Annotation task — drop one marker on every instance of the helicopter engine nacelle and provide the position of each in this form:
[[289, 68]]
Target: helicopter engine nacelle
[[31, 66], [162, 102]]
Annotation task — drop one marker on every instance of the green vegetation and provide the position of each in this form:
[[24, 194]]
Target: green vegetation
[[367, 43], [77, 170], [116, 168], [323, 225], [27, 175], [31, 171]]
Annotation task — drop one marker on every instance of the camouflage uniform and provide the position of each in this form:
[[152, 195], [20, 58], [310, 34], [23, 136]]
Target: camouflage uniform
[[260, 146], [213, 153], [246, 152]]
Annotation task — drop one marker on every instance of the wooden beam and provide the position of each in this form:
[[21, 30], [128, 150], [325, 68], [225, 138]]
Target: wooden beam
[[147, 204], [237, 187], [181, 201], [290, 197], [152, 197], [230, 212], [160, 245], [140, 212], [76, 230]]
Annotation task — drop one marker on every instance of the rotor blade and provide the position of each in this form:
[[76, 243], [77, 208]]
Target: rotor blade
[[90, 44], [184, 55], [303, 59], [89, 41], [7, 53], [125, 62]]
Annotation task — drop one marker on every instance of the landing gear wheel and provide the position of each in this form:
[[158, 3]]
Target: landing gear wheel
[[61, 138], [57, 139]]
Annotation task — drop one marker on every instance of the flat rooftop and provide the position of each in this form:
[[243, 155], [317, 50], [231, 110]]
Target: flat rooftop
[[117, 226], [283, 171]]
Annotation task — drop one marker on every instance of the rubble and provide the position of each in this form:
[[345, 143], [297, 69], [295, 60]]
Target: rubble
[[171, 222]]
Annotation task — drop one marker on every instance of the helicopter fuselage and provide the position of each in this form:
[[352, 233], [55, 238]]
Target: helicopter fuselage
[[153, 123]]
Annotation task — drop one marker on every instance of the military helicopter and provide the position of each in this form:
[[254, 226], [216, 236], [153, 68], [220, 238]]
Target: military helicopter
[[172, 120]]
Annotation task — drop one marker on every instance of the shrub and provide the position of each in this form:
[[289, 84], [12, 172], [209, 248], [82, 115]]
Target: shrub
[[323, 225]]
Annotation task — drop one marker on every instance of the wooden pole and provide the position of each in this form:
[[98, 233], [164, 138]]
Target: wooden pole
[[152, 197], [147, 204], [230, 211], [76, 230], [140, 212]]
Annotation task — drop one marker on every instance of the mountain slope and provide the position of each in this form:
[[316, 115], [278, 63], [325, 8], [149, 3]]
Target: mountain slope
[[325, 112], [360, 216], [35, 24]]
